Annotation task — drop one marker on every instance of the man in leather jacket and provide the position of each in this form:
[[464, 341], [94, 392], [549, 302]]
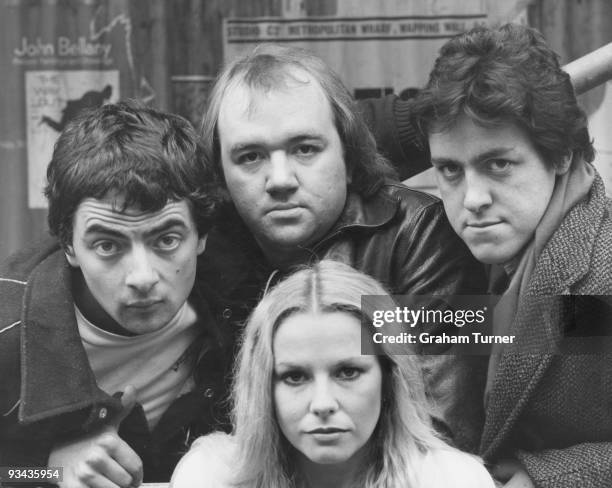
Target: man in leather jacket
[[305, 182]]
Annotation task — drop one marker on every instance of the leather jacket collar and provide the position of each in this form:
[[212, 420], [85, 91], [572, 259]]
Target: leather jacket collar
[[373, 212], [232, 252]]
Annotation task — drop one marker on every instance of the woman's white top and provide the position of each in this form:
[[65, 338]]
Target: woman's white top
[[210, 461]]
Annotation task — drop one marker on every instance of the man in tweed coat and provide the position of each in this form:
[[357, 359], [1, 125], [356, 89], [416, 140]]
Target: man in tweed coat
[[511, 152]]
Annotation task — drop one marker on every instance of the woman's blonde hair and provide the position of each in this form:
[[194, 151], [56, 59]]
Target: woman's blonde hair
[[403, 433]]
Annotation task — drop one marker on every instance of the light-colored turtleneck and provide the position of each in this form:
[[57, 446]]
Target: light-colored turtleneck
[[157, 364]]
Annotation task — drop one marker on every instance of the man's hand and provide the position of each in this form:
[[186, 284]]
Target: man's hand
[[101, 459], [512, 474]]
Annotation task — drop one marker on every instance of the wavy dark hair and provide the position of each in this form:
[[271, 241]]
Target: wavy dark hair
[[501, 75], [147, 157], [269, 67]]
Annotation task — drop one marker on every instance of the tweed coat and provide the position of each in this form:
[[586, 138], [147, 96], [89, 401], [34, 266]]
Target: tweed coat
[[554, 412]]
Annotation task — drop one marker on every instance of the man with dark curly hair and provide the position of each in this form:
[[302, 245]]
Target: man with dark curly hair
[[511, 153], [103, 369]]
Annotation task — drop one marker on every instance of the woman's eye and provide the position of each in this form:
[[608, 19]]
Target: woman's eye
[[106, 248], [168, 242], [349, 373], [293, 377]]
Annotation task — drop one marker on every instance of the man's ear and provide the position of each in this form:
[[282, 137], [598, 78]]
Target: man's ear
[[72, 260], [202, 243], [564, 166]]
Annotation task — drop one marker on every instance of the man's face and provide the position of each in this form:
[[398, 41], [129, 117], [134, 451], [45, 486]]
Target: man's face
[[494, 184], [139, 266], [283, 163]]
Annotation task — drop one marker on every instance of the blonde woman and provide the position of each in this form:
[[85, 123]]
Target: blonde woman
[[311, 411]]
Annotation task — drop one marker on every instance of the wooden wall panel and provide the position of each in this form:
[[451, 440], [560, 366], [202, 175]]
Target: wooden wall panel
[[142, 73], [178, 49]]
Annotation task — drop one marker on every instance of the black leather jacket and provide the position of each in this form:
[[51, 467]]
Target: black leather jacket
[[399, 236]]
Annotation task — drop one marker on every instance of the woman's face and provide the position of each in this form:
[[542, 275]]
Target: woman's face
[[494, 184], [327, 395]]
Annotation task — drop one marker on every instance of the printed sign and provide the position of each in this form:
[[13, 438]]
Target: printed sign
[[83, 59], [348, 29], [52, 99], [386, 48]]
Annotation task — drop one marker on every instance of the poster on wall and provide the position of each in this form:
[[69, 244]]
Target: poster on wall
[[62, 58], [53, 98], [377, 48]]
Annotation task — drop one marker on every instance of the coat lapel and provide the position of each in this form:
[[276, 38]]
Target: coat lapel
[[56, 377], [520, 369], [538, 323]]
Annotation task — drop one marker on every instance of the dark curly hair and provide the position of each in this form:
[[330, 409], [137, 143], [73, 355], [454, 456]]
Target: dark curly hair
[[146, 156], [502, 75]]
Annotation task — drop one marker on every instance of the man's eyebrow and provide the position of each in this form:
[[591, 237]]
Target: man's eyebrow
[[307, 136], [157, 229], [490, 153], [101, 229], [256, 144], [246, 146], [167, 224], [493, 153], [443, 161]]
